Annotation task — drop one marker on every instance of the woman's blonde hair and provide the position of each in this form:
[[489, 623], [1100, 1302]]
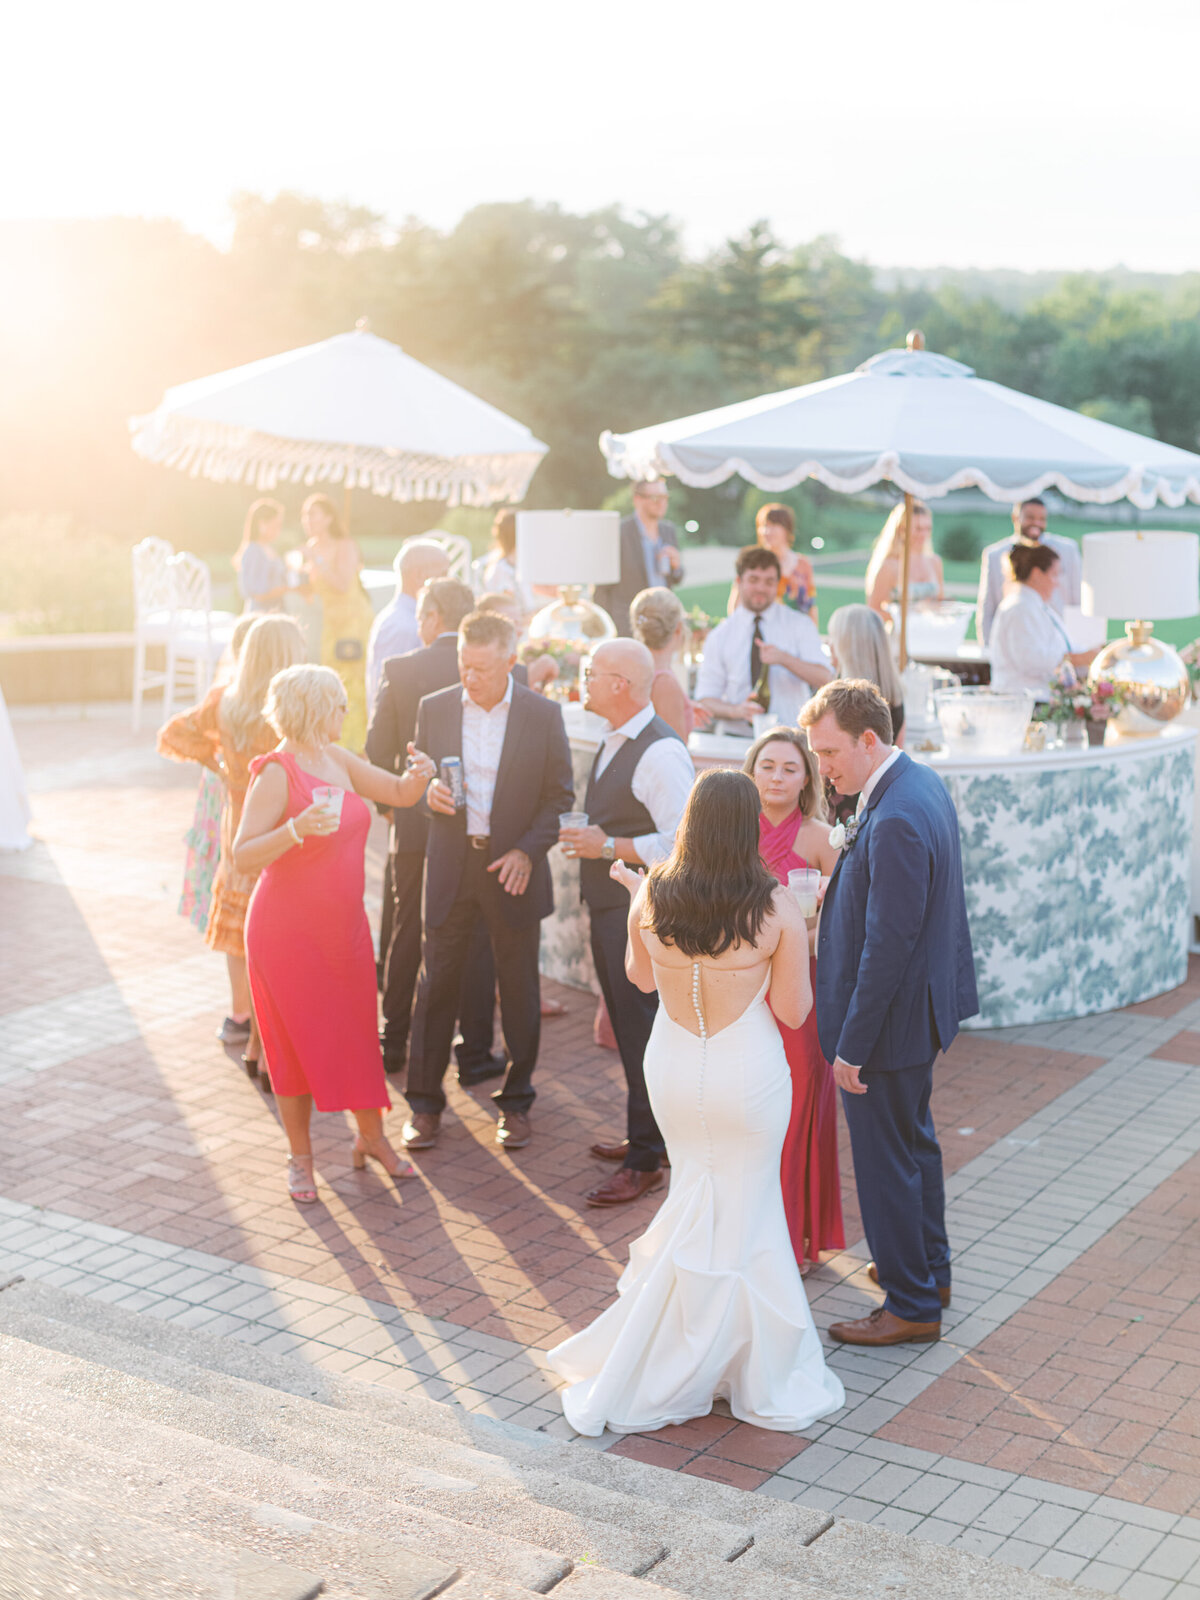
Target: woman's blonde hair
[[860, 641], [270, 645], [891, 539], [260, 513], [654, 615], [303, 701], [812, 796]]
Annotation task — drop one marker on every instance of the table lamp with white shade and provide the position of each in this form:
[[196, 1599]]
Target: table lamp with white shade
[[571, 549], [1147, 577]]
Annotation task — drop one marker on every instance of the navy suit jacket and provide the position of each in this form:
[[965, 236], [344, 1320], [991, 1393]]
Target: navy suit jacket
[[616, 598], [895, 973], [534, 784], [406, 680]]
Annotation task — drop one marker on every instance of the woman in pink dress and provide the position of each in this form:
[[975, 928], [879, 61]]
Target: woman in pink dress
[[793, 834], [308, 945]]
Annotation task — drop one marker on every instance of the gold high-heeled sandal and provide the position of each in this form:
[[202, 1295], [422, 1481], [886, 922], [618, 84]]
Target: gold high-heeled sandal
[[398, 1169], [302, 1184]]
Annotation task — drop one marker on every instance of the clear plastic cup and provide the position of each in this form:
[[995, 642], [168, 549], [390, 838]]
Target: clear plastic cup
[[572, 819], [804, 883], [331, 799]]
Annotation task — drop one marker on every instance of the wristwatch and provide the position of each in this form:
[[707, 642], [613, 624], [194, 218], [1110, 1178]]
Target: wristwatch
[[608, 851]]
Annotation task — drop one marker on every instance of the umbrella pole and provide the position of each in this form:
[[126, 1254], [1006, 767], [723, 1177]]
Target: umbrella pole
[[347, 499], [904, 557]]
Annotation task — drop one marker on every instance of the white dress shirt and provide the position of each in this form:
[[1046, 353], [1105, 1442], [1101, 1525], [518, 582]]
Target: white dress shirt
[[1027, 644], [994, 581], [725, 670], [662, 781], [868, 788], [482, 741], [393, 633]]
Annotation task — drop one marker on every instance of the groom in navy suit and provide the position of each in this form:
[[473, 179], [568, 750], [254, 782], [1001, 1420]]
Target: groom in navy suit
[[895, 977]]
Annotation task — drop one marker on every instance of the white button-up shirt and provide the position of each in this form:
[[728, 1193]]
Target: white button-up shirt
[[393, 633], [662, 781], [994, 581], [725, 670], [482, 741], [1027, 643]]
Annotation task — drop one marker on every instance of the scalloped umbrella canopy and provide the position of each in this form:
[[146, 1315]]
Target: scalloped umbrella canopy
[[918, 420], [353, 409]]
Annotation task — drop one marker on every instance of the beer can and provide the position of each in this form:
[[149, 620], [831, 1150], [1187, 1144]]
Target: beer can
[[451, 773]]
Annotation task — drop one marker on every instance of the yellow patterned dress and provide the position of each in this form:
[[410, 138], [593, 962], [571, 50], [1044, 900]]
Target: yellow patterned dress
[[346, 620]]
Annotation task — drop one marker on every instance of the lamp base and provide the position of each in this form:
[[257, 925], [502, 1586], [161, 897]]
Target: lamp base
[[1152, 675], [574, 620]]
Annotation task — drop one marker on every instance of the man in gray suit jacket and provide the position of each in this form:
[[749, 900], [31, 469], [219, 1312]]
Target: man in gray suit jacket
[[1029, 523], [649, 553]]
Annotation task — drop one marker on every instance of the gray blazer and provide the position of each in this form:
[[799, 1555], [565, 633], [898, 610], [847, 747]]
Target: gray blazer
[[617, 597]]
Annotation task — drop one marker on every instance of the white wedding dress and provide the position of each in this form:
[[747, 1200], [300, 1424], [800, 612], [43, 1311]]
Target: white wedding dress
[[711, 1304]]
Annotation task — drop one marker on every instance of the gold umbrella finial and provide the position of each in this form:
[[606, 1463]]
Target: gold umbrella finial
[[915, 340]]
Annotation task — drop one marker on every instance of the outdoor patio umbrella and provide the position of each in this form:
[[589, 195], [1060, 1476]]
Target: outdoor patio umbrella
[[918, 420], [353, 410]]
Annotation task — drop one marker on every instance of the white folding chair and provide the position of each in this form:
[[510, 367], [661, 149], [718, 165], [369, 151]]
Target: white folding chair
[[152, 604], [458, 548], [196, 634]]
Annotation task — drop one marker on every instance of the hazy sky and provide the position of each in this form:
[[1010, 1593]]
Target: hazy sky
[[1034, 133]]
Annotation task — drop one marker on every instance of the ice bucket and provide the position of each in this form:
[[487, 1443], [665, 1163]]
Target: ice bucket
[[936, 628], [982, 722]]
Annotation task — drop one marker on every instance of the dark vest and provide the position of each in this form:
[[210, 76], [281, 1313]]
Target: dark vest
[[611, 805]]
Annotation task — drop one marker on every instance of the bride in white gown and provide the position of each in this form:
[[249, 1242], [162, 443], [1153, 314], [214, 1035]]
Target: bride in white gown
[[711, 1304], [14, 798]]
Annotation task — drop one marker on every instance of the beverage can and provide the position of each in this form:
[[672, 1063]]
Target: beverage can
[[451, 774]]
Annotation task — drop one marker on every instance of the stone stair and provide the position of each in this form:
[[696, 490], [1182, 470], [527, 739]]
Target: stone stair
[[142, 1459]]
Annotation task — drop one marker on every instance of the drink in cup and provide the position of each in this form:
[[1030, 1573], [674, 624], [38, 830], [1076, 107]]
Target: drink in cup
[[331, 798], [804, 882], [451, 774], [572, 819]]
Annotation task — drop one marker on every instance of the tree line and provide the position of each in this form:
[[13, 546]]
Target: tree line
[[571, 322]]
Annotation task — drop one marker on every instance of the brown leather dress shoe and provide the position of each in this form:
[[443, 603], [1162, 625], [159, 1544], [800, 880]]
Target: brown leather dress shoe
[[421, 1131], [943, 1290], [513, 1131], [624, 1186], [616, 1152], [881, 1327]]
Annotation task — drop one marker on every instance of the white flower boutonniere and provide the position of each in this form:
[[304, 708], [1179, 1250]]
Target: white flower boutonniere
[[843, 835], [837, 835]]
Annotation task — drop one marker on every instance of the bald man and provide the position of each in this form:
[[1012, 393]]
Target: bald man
[[639, 786], [394, 631]]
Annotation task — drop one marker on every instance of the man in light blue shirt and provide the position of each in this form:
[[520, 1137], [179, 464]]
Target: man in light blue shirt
[[394, 631]]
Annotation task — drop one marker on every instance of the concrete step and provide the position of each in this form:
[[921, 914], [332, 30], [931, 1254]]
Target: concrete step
[[679, 1510], [225, 1395], [342, 1450], [363, 1563], [153, 1454], [55, 1547]]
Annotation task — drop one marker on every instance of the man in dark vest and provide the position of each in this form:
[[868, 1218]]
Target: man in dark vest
[[639, 786]]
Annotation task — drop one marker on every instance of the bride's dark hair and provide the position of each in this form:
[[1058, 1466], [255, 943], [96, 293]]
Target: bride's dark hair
[[713, 891]]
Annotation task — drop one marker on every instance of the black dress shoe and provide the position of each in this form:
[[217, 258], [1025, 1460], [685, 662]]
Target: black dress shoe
[[495, 1066]]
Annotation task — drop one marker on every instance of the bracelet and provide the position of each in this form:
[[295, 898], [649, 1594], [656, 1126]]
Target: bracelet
[[290, 825]]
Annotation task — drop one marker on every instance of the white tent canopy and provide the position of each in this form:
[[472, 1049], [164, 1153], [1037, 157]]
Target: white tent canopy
[[918, 420], [353, 409]]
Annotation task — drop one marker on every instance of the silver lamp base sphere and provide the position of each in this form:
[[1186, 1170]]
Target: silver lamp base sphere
[[573, 619], [1151, 672]]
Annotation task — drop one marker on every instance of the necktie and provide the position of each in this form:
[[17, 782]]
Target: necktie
[[756, 655]]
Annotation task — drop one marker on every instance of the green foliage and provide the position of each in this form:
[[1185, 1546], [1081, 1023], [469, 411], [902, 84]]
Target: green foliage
[[573, 322], [56, 577]]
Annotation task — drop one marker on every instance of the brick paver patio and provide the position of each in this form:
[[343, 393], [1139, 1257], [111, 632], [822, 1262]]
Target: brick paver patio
[[1054, 1426]]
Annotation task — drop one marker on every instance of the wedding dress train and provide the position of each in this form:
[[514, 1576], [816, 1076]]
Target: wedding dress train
[[14, 798], [711, 1304]]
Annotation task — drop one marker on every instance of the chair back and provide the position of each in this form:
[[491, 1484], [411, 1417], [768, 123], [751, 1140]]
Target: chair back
[[458, 548], [191, 589], [152, 578]]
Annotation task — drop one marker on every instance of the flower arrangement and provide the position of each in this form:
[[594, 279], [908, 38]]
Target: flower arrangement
[[1073, 701], [699, 621], [1190, 656]]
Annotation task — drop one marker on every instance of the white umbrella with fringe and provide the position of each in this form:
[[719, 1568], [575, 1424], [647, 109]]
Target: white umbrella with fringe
[[352, 410]]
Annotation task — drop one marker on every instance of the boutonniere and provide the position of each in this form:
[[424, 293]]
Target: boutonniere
[[843, 834]]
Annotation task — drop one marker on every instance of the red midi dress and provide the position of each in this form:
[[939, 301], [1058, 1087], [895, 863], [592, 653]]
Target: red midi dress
[[812, 1196], [311, 961]]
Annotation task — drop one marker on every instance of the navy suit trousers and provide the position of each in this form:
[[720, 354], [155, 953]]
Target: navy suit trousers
[[898, 1168], [632, 1015]]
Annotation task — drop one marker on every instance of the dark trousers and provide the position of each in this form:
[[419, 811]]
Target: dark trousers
[[446, 954], [632, 1016], [898, 1168], [402, 963]]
